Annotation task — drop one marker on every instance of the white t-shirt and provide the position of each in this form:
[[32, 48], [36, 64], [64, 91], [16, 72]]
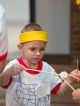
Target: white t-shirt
[[31, 90], [3, 32]]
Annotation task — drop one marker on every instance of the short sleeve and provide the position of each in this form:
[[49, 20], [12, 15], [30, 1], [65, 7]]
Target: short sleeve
[[54, 79]]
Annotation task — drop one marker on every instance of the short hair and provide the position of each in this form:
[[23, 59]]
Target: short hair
[[32, 27]]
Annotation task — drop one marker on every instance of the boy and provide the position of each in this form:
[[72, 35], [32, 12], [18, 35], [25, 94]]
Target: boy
[[24, 78]]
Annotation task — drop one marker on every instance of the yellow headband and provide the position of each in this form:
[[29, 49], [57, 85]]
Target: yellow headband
[[78, 2], [33, 35]]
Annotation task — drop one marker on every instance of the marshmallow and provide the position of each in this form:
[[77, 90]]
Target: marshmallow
[[63, 74]]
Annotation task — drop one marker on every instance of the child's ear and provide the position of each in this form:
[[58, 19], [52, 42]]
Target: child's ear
[[20, 47]]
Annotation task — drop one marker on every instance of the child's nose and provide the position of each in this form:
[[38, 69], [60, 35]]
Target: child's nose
[[38, 53]]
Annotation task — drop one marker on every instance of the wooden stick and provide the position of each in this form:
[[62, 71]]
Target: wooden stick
[[68, 84], [35, 70], [53, 74], [77, 65], [73, 76], [38, 70], [44, 71]]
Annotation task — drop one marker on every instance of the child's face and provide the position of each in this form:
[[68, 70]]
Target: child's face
[[33, 51]]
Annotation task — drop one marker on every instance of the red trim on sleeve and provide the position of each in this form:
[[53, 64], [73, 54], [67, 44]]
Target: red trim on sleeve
[[6, 86], [3, 57], [54, 90]]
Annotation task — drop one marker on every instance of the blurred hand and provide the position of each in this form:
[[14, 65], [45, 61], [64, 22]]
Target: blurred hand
[[76, 73], [76, 95], [16, 69]]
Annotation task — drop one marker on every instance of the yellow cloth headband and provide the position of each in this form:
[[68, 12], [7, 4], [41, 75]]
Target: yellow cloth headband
[[33, 35], [78, 2]]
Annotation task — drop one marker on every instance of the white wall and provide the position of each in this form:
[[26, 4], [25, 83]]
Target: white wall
[[17, 12], [54, 16]]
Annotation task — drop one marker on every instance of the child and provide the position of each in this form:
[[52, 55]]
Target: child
[[24, 78], [3, 38]]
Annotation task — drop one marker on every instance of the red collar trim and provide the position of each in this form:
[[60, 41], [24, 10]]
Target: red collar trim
[[31, 71]]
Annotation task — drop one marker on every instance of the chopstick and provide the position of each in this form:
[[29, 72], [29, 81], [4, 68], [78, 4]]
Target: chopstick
[[46, 72], [53, 74], [35, 70], [73, 76], [77, 65], [68, 84], [38, 70]]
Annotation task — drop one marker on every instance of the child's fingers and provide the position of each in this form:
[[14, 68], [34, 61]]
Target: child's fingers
[[78, 76], [16, 69]]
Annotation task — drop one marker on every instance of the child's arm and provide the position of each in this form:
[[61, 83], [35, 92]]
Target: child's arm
[[7, 75], [64, 86]]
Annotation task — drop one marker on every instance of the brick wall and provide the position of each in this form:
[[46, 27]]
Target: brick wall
[[75, 31]]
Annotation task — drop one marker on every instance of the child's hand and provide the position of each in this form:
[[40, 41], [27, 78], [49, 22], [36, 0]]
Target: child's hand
[[76, 95], [16, 69], [76, 73], [76, 76]]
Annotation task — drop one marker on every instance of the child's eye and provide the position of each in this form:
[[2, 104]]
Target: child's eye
[[35, 49], [42, 49], [32, 49]]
